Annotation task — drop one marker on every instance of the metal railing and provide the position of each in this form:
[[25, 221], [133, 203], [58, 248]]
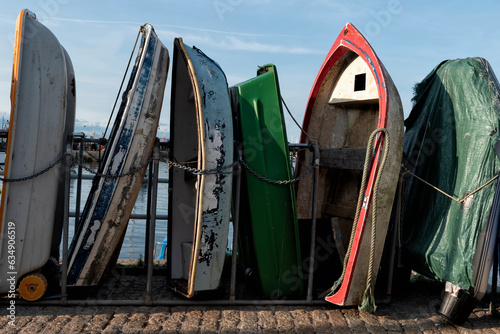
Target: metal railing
[[153, 180]]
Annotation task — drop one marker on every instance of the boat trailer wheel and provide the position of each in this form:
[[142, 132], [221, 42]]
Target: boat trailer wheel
[[33, 287]]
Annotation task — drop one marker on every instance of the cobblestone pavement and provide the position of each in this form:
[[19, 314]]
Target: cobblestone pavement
[[411, 312]]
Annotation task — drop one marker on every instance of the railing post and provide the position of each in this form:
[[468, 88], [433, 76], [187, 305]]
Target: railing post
[[236, 223], [494, 279], [314, 148], [65, 236], [67, 166], [152, 221], [79, 180]]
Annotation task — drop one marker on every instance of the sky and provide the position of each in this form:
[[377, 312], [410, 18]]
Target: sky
[[410, 38]]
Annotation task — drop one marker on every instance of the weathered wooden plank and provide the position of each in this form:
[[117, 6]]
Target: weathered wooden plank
[[338, 211], [342, 158]]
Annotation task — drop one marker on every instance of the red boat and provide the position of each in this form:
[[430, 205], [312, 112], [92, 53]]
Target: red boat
[[352, 100]]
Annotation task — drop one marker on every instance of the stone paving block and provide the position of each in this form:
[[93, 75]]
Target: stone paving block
[[481, 319], [388, 321], [115, 325], [353, 320], [301, 320], [37, 324], [249, 320], [99, 321], [284, 320], [76, 324], [338, 321], [443, 325], [23, 316], [4, 317], [157, 315], [408, 322], [56, 324], [267, 321], [428, 327], [229, 320], [172, 323], [79, 317], [136, 322], [372, 323], [11, 330], [210, 320], [191, 322], [320, 321]]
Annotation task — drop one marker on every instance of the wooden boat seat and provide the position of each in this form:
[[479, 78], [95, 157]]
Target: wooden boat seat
[[339, 211], [342, 158]]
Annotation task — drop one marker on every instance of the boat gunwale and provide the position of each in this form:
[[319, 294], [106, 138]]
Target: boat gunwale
[[351, 40], [147, 52], [201, 109]]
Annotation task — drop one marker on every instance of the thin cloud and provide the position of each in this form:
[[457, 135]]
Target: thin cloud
[[232, 43], [96, 21], [161, 25]]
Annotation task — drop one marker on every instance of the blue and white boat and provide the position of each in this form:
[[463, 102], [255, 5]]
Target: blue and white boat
[[103, 223]]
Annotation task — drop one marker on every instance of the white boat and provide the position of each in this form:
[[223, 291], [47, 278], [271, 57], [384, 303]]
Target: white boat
[[42, 112], [201, 136], [104, 220]]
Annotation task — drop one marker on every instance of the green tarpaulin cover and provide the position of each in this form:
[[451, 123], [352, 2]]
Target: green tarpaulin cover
[[449, 142]]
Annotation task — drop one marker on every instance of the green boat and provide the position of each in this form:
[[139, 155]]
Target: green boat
[[268, 240]]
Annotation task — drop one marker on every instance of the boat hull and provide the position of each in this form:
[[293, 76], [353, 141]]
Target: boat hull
[[353, 95], [42, 111], [201, 136], [104, 219], [269, 237], [451, 141]]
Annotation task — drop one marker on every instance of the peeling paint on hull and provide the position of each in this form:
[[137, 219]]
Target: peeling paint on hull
[[111, 200], [199, 205]]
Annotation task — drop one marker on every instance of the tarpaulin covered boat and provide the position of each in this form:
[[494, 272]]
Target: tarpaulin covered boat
[[352, 100], [452, 147]]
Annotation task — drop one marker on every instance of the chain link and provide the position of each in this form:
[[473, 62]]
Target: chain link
[[282, 182], [219, 170], [37, 174]]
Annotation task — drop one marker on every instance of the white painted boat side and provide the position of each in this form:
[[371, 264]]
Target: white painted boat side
[[200, 207], [130, 147], [40, 103], [69, 128]]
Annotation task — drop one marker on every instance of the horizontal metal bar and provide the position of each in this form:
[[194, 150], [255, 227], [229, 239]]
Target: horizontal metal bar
[[133, 216], [74, 176], [80, 137], [169, 302], [297, 145]]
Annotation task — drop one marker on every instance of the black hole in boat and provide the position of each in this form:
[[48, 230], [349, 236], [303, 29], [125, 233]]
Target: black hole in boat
[[359, 82]]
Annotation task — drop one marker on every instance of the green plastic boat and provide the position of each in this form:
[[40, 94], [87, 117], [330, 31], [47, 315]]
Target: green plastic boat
[[269, 241]]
